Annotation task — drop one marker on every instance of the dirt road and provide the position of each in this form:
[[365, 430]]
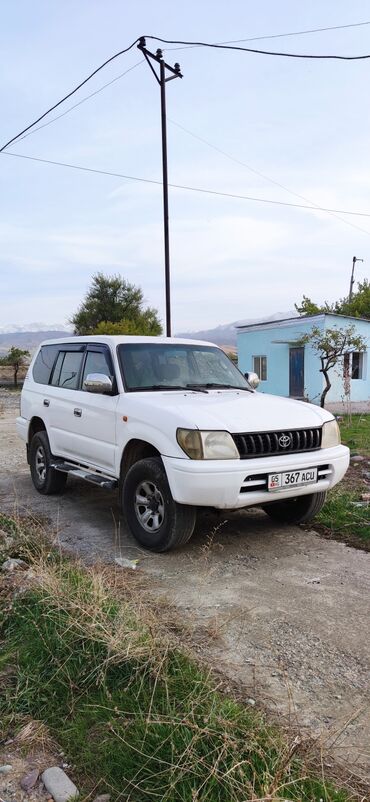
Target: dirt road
[[280, 610]]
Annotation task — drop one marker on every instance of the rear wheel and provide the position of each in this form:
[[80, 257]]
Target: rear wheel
[[157, 521], [296, 510], [45, 478]]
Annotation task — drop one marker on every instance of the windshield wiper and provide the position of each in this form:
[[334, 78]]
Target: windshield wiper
[[198, 388], [215, 386], [194, 387]]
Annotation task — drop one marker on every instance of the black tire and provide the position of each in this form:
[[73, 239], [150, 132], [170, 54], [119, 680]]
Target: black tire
[[45, 479], [159, 523], [296, 510]]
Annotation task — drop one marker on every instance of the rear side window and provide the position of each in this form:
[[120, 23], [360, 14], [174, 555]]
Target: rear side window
[[67, 369], [44, 362]]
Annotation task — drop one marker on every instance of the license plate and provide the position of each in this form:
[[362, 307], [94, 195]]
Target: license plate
[[282, 481]]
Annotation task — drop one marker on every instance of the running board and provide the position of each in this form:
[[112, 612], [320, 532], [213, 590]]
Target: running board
[[93, 478]]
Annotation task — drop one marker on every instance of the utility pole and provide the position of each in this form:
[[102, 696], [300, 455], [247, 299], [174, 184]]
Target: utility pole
[[354, 260], [162, 80]]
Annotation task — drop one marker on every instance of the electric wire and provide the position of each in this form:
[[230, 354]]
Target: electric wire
[[318, 56], [80, 102], [282, 35], [179, 42], [186, 187], [73, 91], [195, 136], [258, 172]]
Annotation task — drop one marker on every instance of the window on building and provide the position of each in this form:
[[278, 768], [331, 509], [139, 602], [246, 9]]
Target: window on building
[[358, 362], [260, 367]]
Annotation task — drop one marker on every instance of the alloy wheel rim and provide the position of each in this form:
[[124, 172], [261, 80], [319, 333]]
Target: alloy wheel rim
[[40, 464], [149, 506]]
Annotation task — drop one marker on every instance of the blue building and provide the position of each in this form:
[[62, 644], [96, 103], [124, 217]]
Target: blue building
[[285, 367]]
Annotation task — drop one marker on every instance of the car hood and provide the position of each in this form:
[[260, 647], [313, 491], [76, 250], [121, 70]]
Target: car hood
[[230, 410]]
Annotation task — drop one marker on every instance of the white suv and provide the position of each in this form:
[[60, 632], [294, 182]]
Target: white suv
[[175, 426]]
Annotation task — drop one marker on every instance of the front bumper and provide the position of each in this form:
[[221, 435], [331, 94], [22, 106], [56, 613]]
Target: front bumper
[[231, 484]]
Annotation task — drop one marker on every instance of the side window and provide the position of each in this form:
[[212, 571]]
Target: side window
[[358, 364], [43, 365], [96, 362], [67, 369], [260, 367]]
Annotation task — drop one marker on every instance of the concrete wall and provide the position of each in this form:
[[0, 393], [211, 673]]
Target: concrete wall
[[360, 388], [273, 340]]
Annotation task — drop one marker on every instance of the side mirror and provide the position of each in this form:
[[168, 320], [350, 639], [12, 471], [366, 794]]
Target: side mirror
[[252, 379], [97, 383]]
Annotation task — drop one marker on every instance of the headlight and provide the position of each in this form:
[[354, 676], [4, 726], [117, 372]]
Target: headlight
[[330, 434], [207, 445]]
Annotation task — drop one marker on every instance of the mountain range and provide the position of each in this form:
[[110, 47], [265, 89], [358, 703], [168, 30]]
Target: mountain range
[[29, 336], [28, 340], [226, 334]]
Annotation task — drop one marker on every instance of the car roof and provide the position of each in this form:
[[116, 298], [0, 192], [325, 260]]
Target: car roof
[[113, 339]]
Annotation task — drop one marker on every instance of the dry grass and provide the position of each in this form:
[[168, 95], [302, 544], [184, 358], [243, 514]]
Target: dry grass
[[96, 670]]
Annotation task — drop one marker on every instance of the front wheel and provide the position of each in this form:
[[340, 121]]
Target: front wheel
[[157, 521], [45, 478], [297, 510]]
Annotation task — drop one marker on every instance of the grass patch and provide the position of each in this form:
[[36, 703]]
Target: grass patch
[[356, 433], [341, 516], [135, 715]]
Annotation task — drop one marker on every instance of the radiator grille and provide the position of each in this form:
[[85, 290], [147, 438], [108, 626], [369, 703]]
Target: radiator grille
[[264, 444]]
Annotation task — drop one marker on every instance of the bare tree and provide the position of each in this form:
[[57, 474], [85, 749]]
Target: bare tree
[[332, 346]]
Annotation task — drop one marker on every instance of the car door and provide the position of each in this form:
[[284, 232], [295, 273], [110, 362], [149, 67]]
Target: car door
[[94, 414], [60, 399]]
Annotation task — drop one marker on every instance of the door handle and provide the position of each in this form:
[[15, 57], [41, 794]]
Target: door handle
[[77, 412], [46, 402]]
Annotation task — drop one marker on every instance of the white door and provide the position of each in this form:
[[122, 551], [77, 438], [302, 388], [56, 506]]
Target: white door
[[82, 424]]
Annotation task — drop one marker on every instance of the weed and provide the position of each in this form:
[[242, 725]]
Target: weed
[[342, 515], [135, 715], [356, 433]]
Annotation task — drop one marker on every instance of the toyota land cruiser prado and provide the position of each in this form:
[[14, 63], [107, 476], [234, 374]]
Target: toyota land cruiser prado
[[174, 425]]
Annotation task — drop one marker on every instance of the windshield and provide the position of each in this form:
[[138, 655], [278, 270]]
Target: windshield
[[168, 366]]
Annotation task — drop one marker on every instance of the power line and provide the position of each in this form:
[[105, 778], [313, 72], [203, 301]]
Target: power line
[[84, 99], [283, 35], [120, 53], [188, 188], [257, 172], [260, 52], [179, 42], [195, 136], [201, 139]]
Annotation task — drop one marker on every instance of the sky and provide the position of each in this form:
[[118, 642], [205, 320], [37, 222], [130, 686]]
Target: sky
[[303, 124]]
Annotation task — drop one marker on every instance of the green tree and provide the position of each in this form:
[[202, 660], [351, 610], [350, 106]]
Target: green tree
[[112, 300], [308, 307], [332, 347], [14, 358], [358, 306], [146, 325]]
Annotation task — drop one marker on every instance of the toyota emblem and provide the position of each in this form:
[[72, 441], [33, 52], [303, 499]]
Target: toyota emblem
[[285, 441]]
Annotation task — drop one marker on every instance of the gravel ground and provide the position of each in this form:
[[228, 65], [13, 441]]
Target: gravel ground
[[278, 610], [12, 451]]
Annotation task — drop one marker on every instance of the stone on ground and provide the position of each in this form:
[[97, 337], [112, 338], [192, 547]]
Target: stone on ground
[[58, 785]]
